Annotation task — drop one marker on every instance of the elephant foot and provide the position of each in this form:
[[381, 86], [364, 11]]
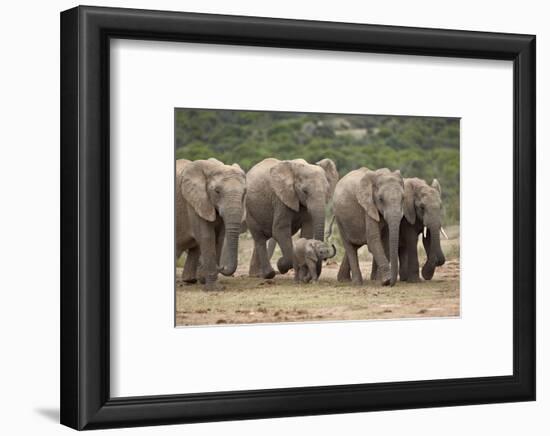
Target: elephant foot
[[414, 279], [214, 287], [343, 276], [283, 265], [190, 281], [428, 272], [268, 274], [254, 270], [384, 275], [373, 276], [357, 282]]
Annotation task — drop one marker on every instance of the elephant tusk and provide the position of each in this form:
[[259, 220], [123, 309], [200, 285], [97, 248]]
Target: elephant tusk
[[425, 232], [444, 234]]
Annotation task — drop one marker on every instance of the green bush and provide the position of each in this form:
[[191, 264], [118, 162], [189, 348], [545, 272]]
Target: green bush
[[425, 147]]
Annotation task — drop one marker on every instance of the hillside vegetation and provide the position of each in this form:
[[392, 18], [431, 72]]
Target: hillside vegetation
[[425, 147]]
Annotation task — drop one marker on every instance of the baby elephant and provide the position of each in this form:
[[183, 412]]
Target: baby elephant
[[307, 253]]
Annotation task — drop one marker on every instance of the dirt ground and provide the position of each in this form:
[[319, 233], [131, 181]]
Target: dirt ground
[[252, 300]]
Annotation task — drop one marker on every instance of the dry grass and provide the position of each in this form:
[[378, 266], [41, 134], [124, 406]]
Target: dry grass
[[252, 300]]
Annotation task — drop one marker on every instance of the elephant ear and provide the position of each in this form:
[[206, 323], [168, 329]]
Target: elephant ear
[[214, 160], [408, 203], [365, 195], [193, 188], [180, 165], [282, 183], [238, 167], [331, 174], [436, 186], [398, 174]]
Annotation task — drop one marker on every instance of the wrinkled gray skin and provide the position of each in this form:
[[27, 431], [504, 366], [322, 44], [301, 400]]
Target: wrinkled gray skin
[[209, 209], [368, 204], [308, 253], [422, 207], [284, 197]]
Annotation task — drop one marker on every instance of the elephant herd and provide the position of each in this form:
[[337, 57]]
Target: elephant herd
[[277, 198]]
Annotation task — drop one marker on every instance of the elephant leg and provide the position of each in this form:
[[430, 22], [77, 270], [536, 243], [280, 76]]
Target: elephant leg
[[209, 265], [376, 247], [306, 277], [259, 263], [189, 274], [254, 268], [374, 270], [344, 270], [264, 267], [298, 273], [271, 244], [312, 268], [282, 234], [351, 254], [412, 257], [403, 264]]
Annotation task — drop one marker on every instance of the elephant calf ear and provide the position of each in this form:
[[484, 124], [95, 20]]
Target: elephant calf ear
[[311, 252], [365, 195], [282, 183], [408, 203], [193, 188]]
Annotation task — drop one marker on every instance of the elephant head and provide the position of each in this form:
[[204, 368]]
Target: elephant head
[[381, 194], [423, 205], [297, 183], [319, 250], [214, 189]]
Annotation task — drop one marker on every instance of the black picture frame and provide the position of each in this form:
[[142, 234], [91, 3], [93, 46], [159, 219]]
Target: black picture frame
[[85, 399]]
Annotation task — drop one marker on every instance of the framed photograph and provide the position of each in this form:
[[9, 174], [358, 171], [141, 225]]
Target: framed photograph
[[265, 217]]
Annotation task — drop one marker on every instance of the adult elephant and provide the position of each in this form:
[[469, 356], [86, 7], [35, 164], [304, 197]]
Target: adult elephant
[[283, 197], [209, 208], [422, 215], [367, 205]]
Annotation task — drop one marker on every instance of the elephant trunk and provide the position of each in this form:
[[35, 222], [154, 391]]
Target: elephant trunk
[[232, 220], [317, 212], [393, 227], [432, 244]]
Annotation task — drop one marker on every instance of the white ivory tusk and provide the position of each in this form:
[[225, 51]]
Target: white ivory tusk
[[444, 234], [425, 231]]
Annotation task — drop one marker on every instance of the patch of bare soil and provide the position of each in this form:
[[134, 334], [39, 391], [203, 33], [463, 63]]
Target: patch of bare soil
[[248, 300]]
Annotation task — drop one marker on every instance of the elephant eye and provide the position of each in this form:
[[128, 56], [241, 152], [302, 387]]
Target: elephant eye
[[217, 190]]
